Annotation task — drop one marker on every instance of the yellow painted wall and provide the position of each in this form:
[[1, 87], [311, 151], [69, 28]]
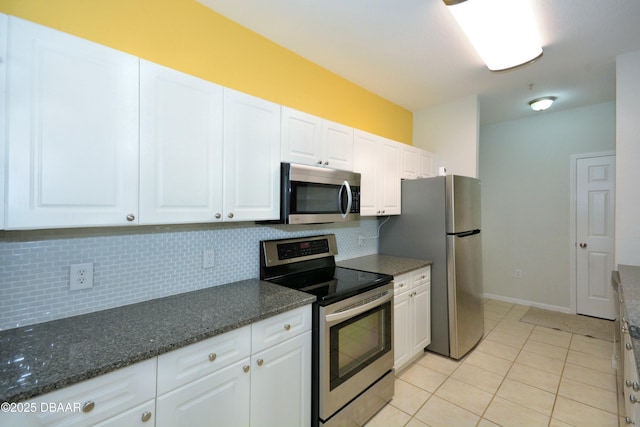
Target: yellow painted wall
[[187, 36]]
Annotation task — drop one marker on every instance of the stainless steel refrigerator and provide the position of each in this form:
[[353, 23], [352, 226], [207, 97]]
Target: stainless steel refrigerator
[[440, 221]]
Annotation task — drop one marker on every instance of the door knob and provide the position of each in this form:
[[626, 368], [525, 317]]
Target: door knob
[[583, 245]]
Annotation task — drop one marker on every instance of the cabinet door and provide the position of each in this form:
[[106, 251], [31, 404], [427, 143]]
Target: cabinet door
[[251, 158], [366, 146], [301, 137], [401, 329], [220, 399], [425, 164], [338, 143], [73, 131], [389, 184], [410, 162], [421, 318], [281, 384], [180, 147]]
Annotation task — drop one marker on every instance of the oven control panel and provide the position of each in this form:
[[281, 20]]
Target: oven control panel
[[301, 249], [286, 251]]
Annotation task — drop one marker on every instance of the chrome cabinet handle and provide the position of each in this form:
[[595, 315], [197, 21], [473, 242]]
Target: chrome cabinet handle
[[260, 362], [628, 346], [583, 245], [246, 368], [287, 327], [230, 215], [633, 399], [319, 162], [212, 357], [131, 217], [218, 216], [628, 420], [326, 163], [88, 406], [146, 416]]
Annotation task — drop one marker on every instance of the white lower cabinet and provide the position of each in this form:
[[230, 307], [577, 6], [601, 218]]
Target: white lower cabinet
[[412, 316], [218, 399], [123, 395], [281, 384], [259, 375], [143, 415]]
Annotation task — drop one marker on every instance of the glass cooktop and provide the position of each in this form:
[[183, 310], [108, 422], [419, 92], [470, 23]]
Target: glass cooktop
[[332, 284]]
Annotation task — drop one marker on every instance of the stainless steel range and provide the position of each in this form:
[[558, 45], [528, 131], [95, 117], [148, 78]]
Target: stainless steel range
[[352, 366]]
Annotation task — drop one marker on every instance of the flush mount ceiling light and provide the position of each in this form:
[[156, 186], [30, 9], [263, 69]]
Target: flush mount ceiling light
[[503, 32], [541, 104]]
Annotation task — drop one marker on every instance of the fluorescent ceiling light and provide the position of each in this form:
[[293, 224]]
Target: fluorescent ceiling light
[[541, 104], [503, 32]]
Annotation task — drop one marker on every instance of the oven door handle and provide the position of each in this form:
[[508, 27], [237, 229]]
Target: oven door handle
[[380, 299]]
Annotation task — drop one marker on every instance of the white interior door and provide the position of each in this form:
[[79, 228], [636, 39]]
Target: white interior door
[[595, 185]]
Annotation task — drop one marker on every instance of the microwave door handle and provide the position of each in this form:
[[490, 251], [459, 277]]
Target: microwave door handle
[[345, 185], [334, 318]]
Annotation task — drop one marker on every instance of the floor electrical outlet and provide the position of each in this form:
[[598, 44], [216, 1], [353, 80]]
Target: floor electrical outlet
[[80, 276], [208, 258]]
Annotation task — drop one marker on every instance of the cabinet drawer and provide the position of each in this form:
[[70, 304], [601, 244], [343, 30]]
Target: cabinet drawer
[[196, 360], [401, 283], [102, 398], [421, 276], [280, 328], [143, 415]]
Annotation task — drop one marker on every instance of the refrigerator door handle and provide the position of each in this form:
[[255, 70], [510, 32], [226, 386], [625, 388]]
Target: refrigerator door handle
[[466, 233]]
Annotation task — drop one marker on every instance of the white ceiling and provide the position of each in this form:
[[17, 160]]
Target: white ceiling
[[412, 52]]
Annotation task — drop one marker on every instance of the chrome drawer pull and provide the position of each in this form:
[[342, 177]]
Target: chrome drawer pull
[[246, 368], [260, 362], [287, 327], [212, 357], [146, 416]]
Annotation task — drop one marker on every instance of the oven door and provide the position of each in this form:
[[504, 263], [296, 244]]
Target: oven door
[[356, 337]]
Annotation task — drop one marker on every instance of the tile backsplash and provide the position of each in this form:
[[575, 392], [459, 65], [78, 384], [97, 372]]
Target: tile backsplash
[[133, 264]]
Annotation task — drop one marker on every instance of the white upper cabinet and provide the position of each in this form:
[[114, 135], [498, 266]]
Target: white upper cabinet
[[425, 164], [251, 158], [310, 140], [416, 163], [379, 163], [73, 131], [180, 147], [410, 162]]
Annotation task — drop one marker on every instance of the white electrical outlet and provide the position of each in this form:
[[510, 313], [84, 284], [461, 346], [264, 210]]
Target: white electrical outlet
[[517, 273], [80, 276], [208, 258]]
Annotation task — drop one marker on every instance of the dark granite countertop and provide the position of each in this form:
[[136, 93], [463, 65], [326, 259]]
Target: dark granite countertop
[[385, 264], [41, 358], [630, 283]]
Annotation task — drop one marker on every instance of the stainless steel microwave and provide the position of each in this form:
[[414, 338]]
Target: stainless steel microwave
[[312, 195]]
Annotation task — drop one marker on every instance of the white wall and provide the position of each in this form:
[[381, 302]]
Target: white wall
[[628, 159], [525, 173], [450, 131]]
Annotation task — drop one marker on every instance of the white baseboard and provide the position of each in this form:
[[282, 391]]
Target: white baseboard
[[529, 303]]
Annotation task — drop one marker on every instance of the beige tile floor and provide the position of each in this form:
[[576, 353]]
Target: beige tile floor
[[519, 375]]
